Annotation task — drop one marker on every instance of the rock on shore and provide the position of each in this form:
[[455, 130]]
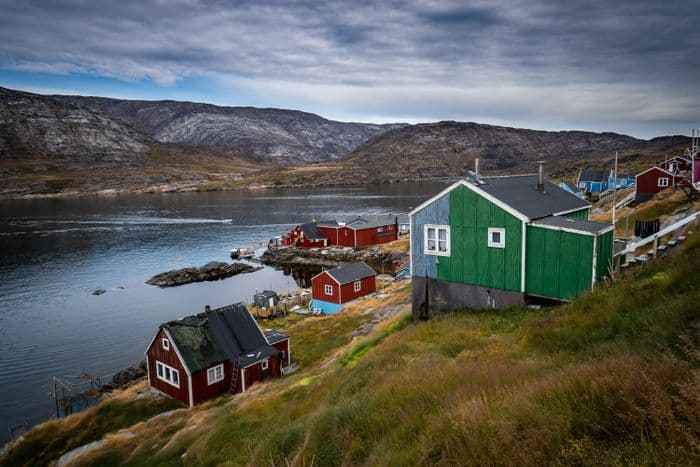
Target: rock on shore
[[330, 257], [212, 271]]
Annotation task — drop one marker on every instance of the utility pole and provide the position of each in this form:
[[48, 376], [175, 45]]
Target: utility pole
[[614, 192]]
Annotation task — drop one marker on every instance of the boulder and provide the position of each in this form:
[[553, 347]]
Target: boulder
[[212, 271]]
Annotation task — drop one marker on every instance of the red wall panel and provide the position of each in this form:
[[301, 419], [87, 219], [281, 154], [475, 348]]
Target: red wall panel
[[170, 358]]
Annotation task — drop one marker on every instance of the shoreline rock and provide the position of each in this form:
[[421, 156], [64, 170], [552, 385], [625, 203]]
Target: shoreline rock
[[212, 271], [330, 257]]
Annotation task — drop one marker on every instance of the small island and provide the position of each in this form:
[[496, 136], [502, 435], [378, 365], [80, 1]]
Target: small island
[[212, 271]]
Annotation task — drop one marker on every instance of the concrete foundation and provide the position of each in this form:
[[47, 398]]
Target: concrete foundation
[[443, 296]]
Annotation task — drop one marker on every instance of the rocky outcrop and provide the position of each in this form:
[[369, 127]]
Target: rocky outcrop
[[331, 257], [212, 271]]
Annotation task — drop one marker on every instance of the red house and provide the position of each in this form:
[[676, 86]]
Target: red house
[[332, 288], [652, 181], [676, 164], [219, 351], [361, 231], [305, 236]]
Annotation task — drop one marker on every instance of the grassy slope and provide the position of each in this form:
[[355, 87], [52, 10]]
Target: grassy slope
[[611, 378]]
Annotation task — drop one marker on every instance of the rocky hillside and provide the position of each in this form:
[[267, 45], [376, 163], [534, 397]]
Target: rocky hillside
[[449, 149], [266, 135], [33, 125]]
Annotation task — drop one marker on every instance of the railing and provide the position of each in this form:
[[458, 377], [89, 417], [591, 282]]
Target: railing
[[632, 247]]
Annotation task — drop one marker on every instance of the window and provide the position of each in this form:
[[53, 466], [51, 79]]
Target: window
[[264, 364], [357, 286], [380, 229], [168, 374], [215, 374], [328, 289], [497, 237], [663, 181], [582, 185], [166, 344], [437, 240]]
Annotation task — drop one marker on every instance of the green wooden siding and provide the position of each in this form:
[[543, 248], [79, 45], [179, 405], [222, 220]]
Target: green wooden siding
[[559, 264], [604, 255], [582, 214], [471, 260]]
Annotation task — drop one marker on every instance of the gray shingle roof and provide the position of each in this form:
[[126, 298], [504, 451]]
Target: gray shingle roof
[[351, 272], [521, 193], [599, 175], [274, 336], [311, 231], [573, 224], [372, 221], [226, 333]]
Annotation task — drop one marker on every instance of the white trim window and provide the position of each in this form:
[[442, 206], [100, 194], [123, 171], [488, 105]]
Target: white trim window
[[582, 185], [436, 240], [215, 374], [496, 237], [264, 364], [168, 374], [328, 289], [357, 286], [663, 182], [166, 344]]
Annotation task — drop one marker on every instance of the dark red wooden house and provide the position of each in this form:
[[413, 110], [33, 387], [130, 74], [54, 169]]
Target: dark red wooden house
[[305, 236], [333, 288], [219, 351], [652, 181], [361, 231], [676, 164]]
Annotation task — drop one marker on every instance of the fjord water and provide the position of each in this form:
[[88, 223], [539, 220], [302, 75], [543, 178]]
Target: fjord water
[[55, 252]]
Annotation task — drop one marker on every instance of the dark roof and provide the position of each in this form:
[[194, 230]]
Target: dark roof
[[598, 175], [226, 333], [328, 223], [574, 224], [521, 193], [351, 272], [403, 219], [370, 222], [267, 293], [311, 231], [571, 186], [626, 175], [275, 336]]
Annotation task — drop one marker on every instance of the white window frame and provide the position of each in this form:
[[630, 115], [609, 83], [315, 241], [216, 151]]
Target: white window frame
[[582, 185], [493, 230], [162, 375], [436, 228], [264, 365], [663, 179], [212, 377], [165, 343], [357, 286], [328, 289]]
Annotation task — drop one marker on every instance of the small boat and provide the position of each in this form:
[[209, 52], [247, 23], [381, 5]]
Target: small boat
[[237, 253]]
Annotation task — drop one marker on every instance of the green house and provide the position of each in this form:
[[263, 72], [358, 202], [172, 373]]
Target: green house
[[492, 242]]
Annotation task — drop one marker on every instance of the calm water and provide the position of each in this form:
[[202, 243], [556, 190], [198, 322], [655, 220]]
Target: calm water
[[55, 252]]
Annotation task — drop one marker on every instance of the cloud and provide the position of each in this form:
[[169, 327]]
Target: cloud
[[629, 62]]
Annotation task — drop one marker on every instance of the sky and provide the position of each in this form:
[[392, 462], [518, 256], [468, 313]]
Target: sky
[[629, 66]]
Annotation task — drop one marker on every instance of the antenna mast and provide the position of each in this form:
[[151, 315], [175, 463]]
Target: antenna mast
[[614, 192]]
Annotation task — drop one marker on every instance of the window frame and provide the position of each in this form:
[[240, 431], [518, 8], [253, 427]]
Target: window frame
[[165, 343], [326, 288], [168, 374], [437, 228], [265, 364], [502, 242], [663, 185], [215, 379], [357, 286]]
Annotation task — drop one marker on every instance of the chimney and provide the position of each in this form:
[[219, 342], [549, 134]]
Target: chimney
[[477, 174], [207, 308], [540, 176]]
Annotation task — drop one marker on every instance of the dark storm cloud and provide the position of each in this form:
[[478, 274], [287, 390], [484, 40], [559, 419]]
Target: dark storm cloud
[[505, 60]]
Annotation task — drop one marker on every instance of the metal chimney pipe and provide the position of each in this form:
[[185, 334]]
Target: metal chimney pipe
[[207, 308], [540, 176], [476, 167]]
